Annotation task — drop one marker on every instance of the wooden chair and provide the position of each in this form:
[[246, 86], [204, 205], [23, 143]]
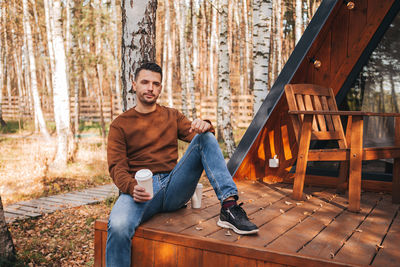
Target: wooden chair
[[315, 116]]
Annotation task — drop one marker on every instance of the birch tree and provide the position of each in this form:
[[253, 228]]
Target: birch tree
[[32, 70], [2, 122], [99, 66], [138, 42], [116, 54], [180, 8], [224, 90], [262, 11], [167, 55], [298, 27], [60, 90], [7, 249], [213, 47], [278, 36], [189, 51]]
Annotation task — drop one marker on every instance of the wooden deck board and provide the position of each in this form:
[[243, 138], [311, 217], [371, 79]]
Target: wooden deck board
[[327, 243], [363, 244], [388, 254], [316, 231]]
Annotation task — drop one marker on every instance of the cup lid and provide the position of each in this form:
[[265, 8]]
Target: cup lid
[[143, 174]]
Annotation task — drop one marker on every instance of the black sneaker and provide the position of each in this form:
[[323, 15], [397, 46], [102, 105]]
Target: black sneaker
[[235, 218]]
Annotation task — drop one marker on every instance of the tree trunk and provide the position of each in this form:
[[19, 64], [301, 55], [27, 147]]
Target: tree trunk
[[32, 70], [49, 17], [167, 55], [99, 67], [224, 90], [61, 91], [181, 22], [116, 55], [2, 122], [7, 249], [278, 37], [298, 27], [138, 42], [262, 11], [213, 48], [189, 59]]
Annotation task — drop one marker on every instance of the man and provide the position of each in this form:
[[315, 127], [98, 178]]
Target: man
[[146, 136]]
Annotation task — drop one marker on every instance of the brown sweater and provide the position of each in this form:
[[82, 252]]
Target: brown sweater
[[150, 141]]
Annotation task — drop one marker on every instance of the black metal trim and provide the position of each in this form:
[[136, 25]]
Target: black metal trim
[[366, 54], [285, 76]]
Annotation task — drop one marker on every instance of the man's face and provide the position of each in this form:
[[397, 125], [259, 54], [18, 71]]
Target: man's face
[[147, 87]]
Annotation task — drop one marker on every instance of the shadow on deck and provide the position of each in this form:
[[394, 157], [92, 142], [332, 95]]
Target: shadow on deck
[[314, 232]]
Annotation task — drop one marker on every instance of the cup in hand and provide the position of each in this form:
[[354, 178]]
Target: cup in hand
[[196, 198], [144, 178]]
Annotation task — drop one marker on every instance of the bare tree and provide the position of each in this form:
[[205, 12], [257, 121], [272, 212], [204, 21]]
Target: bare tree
[[60, 91], [262, 11], [298, 27], [224, 89], [32, 70], [167, 54], [116, 54], [2, 122], [138, 41], [7, 249], [180, 8]]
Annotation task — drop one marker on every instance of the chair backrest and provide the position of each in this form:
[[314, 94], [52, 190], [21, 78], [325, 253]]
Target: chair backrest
[[315, 98]]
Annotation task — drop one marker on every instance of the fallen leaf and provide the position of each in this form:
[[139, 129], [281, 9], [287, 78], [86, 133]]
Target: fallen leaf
[[282, 211], [306, 213], [199, 228], [299, 203], [359, 230], [308, 197], [228, 233], [288, 203], [332, 255], [378, 246]]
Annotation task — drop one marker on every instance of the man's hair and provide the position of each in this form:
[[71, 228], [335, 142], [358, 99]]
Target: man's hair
[[151, 66]]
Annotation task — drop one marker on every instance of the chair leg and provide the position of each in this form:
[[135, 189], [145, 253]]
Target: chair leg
[[343, 177], [356, 153], [302, 158], [396, 181]]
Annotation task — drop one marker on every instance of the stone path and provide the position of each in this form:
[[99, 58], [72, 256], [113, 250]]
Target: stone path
[[37, 207]]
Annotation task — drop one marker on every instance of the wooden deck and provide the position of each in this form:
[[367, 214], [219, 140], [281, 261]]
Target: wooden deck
[[316, 231]]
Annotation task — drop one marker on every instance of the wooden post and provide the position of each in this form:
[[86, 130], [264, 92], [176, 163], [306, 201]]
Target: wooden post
[[396, 166]]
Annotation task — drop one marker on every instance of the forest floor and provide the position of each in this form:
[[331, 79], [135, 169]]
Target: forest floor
[[63, 238]]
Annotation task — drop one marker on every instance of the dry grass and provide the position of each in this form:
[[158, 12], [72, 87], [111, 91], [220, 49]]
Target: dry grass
[[24, 168], [64, 238]]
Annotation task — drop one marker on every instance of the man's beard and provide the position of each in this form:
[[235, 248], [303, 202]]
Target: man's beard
[[146, 102]]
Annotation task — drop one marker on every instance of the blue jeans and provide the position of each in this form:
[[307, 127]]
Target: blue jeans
[[171, 192]]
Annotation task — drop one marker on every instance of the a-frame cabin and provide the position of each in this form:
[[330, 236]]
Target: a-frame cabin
[[318, 231], [340, 38]]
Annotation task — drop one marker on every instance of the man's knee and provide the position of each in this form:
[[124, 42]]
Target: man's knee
[[120, 226], [207, 137]]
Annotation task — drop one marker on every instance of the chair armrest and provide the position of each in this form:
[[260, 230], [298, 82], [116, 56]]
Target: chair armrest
[[342, 113]]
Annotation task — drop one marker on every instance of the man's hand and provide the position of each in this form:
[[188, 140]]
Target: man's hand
[[140, 194], [199, 126]]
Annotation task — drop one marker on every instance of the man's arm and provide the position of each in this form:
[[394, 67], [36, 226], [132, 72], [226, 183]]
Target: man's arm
[[187, 129], [118, 161]]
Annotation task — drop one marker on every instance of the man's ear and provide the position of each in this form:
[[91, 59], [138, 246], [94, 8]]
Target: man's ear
[[133, 86]]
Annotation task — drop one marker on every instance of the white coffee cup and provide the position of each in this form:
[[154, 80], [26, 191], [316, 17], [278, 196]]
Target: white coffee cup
[[144, 178], [196, 198]]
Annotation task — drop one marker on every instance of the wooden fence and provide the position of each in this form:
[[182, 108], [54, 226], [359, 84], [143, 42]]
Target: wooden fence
[[242, 108]]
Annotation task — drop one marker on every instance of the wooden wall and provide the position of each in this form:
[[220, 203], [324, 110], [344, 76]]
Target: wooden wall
[[159, 248], [338, 47]]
